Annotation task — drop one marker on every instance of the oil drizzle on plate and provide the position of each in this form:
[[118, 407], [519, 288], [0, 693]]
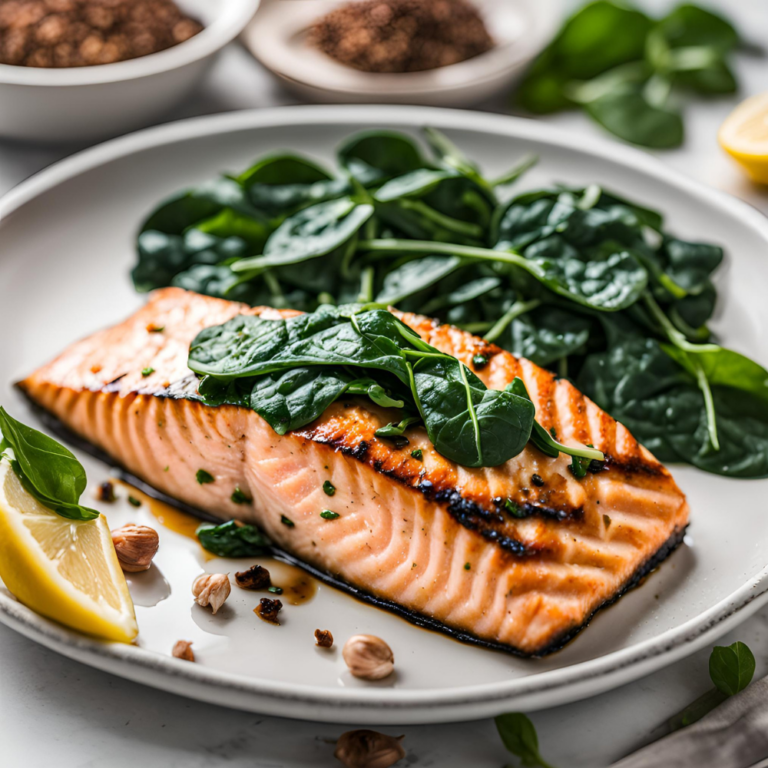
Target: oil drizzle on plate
[[168, 516]]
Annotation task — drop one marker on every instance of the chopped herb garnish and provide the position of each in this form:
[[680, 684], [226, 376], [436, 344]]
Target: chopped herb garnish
[[147, 372], [417, 454], [152, 328], [329, 488], [537, 480], [287, 521], [166, 468], [134, 502], [479, 361], [467, 566], [553, 432], [238, 497], [513, 508], [326, 514], [204, 477], [275, 590]]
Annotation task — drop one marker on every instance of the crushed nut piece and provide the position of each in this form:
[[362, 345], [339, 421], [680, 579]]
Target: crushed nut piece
[[183, 650], [136, 546], [268, 609], [256, 577], [323, 638], [368, 657], [368, 749], [105, 492], [211, 589]]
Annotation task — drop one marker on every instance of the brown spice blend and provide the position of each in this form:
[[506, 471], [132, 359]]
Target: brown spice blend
[[401, 35], [81, 33]]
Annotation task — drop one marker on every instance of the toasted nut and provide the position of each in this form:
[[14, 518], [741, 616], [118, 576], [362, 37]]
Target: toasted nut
[[368, 749], [183, 650], [135, 545], [368, 657], [211, 589], [268, 609], [256, 577], [323, 638]]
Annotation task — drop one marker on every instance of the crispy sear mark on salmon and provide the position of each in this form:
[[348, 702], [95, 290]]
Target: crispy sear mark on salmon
[[541, 557]]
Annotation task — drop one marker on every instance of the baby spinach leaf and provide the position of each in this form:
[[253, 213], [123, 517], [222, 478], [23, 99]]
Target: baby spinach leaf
[[414, 276], [519, 736], [231, 539], [373, 157], [282, 184], [414, 184], [731, 667], [690, 265], [310, 233], [546, 334], [162, 257], [47, 470], [467, 423], [628, 114]]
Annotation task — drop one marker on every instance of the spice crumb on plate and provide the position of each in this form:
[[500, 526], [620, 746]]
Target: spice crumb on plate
[[256, 577], [323, 638]]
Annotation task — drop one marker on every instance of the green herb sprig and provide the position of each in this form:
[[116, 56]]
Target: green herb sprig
[[46, 469], [519, 736], [627, 70]]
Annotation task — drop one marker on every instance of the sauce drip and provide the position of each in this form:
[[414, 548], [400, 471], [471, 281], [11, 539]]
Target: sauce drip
[[298, 587], [168, 516]]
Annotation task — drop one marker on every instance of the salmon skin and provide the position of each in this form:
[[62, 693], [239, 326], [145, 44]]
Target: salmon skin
[[518, 557]]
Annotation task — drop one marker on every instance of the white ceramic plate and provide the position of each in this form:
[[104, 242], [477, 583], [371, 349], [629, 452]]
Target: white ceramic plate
[[66, 245], [277, 37]]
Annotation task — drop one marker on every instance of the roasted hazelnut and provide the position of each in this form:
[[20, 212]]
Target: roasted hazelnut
[[323, 638], [185, 29], [256, 577], [211, 589], [268, 610], [98, 16], [368, 749], [183, 650], [136, 546], [14, 45], [368, 657]]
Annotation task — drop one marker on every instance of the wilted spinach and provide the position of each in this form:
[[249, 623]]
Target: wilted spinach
[[232, 539], [577, 279], [623, 67], [289, 371]]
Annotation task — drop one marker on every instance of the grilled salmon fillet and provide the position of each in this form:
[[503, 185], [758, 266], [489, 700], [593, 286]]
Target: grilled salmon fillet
[[433, 539]]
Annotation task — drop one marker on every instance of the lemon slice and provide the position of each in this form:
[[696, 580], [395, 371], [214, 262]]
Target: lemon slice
[[744, 136], [64, 569]]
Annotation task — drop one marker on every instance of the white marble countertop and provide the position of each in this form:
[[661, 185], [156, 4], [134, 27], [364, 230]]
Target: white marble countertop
[[54, 711]]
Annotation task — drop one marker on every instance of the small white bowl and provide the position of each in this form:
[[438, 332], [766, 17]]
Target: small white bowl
[[87, 103], [277, 37]]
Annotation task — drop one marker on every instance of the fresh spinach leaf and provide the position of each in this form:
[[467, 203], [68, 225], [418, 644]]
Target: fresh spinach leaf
[[46, 469], [283, 184], [519, 736], [162, 257], [731, 667], [374, 157], [414, 276], [232, 539], [310, 233]]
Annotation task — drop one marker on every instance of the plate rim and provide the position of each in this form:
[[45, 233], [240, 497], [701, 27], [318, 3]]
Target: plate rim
[[578, 680]]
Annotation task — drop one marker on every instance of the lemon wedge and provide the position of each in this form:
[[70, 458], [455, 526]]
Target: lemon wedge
[[64, 569], [744, 136]]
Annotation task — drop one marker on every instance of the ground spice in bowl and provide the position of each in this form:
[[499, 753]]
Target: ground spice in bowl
[[80, 33], [401, 35]]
